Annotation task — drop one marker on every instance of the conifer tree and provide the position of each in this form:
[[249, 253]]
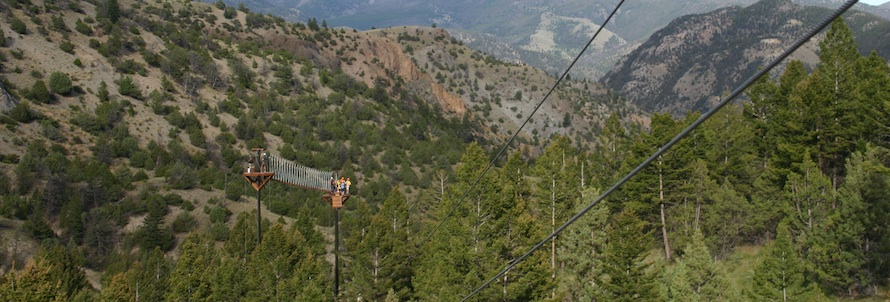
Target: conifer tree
[[607, 159], [730, 151], [706, 280], [780, 276], [582, 253], [242, 238], [625, 277], [868, 174], [192, 277], [466, 247], [556, 190], [519, 231], [809, 202], [379, 259]]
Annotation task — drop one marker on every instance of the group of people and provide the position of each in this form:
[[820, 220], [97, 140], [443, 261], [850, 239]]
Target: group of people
[[340, 186]]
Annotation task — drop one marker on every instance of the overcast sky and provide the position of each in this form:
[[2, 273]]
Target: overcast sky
[[874, 2]]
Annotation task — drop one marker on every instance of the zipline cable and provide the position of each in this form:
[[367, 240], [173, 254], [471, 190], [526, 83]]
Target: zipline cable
[[735, 93], [513, 137]]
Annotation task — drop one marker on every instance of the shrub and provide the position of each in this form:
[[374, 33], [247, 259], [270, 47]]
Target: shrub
[[22, 113], [127, 87], [39, 93], [67, 47], [60, 83], [184, 223], [17, 25], [218, 214], [58, 23], [83, 28], [219, 231], [229, 13]]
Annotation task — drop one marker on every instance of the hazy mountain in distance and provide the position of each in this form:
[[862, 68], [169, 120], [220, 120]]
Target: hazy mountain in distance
[[544, 34], [698, 58]]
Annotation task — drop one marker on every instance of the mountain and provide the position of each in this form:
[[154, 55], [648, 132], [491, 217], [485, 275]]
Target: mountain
[[544, 34], [696, 59], [108, 108]]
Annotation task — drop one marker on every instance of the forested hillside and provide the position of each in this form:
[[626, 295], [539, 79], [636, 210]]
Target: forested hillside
[[127, 125]]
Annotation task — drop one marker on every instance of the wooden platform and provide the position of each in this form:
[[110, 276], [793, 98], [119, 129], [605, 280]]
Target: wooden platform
[[336, 200], [258, 179]]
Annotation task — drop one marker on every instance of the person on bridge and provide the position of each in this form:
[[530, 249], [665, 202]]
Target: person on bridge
[[342, 185], [348, 183], [333, 185]]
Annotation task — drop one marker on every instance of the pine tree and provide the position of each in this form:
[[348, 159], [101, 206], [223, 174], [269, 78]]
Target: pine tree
[[153, 234], [112, 10], [873, 89], [608, 158], [191, 279], [869, 175], [625, 276], [242, 239], [810, 197], [378, 259], [780, 276], [455, 258], [519, 231], [706, 280], [731, 149], [556, 190], [54, 274], [582, 253]]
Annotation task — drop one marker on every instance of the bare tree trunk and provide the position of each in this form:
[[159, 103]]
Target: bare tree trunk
[[664, 232], [552, 229], [697, 215]]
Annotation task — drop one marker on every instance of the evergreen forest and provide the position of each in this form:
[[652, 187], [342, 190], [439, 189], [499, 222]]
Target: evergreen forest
[[124, 142]]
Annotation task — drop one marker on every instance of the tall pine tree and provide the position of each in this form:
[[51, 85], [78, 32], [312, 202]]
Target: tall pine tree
[[625, 276]]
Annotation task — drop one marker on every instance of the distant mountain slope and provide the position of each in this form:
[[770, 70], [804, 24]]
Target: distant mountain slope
[[698, 58], [539, 33]]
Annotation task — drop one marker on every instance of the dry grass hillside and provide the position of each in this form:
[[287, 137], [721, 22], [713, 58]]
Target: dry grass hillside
[[164, 99]]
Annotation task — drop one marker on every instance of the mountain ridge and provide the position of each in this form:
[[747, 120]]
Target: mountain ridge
[[694, 60]]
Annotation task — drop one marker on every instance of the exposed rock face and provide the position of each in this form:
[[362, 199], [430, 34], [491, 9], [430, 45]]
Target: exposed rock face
[[304, 49], [375, 57], [387, 60], [7, 102], [391, 57]]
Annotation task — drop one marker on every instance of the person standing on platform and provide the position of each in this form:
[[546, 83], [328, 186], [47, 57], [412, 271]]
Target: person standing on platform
[[348, 183]]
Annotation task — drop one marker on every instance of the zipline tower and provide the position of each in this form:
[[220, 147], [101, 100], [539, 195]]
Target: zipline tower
[[263, 167]]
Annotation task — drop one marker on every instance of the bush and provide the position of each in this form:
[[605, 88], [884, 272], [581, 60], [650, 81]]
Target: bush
[[22, 113], [39, 93], [188, 206], [60, 83], [59, 23], [219, 231], [184, 223], [17, 25], [83, 28], [218, 214], [67, 47], [127, 87]]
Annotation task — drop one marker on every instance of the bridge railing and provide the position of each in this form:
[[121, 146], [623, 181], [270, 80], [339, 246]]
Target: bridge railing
[[294, 174]]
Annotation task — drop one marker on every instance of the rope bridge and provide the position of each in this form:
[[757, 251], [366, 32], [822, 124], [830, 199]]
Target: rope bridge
[[294, 174]]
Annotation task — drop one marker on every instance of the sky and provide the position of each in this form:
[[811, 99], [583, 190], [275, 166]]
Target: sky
[[874, 2]]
